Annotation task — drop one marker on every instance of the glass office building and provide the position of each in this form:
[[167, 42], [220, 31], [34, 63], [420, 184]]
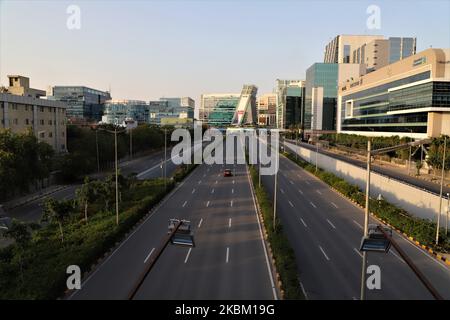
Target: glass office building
[[83, 103], [410, 97], [323, 75], [290, 107], [116, 111]]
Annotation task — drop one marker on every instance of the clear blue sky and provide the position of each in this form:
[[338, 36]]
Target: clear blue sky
[[150, 49]]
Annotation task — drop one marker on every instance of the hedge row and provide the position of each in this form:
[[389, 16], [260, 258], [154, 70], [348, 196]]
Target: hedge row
[[422, 230], [282, 251], [45, 259]]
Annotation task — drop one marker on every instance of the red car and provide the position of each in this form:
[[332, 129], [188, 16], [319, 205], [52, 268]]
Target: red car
[[227, 173]]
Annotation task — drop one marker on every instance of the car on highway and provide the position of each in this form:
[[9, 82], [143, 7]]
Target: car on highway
[[227, 173]]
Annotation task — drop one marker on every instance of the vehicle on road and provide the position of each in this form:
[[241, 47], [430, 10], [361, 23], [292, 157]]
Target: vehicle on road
[[5, 224], [227, 173], [183, 235]]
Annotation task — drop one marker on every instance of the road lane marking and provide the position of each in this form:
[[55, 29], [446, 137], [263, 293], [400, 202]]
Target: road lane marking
[[313, 204], [212, 191], [334, 205], [207, 204], [307, 182], [426, 254], [326, 257], [204, 175], [282, 191], [231, 203], [261, 237], [395, 255], [331, 224], [318, 191], [187, 256], [358, 224], [200, 223], [184, 204], [216, 181], [303, 290], [200, 181], [291, 203], [218, 175], [229, 223], [148, 256], [228, 255], [301, 192], [193, 190], [233, 181], [303, 223], [357, 251], [232, 190], [290, 181]]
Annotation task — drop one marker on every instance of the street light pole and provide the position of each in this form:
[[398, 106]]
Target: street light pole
[[259, 160], [448, 209], [366, 220], [117, 180], [165, 157], [131, 143], [440, 193], [96, 146], [275, 194]]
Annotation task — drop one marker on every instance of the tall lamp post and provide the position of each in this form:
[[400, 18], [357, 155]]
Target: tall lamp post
[[440, 193]]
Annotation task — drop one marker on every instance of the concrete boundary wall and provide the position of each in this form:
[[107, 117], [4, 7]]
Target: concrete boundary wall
[[416, 201]]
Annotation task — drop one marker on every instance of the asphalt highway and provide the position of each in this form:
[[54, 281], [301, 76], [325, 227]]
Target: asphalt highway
[[325, 230], [229, 260]]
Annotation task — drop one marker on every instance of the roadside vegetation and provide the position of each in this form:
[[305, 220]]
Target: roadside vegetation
[[422, 230], [282, 251], [75, 232]]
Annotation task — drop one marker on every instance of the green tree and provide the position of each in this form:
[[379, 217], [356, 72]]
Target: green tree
[[86, 194], [57, 212]]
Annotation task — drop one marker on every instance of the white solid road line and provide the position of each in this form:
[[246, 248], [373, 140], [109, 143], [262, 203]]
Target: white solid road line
[[184, 204], [193, 190], [397, 256], [334, 204], [269, 270], [331, 224], [326, 257], [228, 255], [187, 256], [304, 291], [229, 223], [313, 204], [291, 204], [148, 256], [358, 224], [301, 192], [207, 204], [303, 223], [357, 251], [200, 223]]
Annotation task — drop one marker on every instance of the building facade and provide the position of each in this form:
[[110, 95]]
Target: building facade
[[339, 50], [381, 52], [117, 111], [410, 97], [321, 92], [229, 109], [83, 104], [46, 118], [290, 103], [266, 106]]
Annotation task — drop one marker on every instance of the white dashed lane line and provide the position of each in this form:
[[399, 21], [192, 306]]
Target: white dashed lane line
[[357, 251], [312, 204], [334, 205], [331, 224], [184, 204], [148, 256], [323, 251], [187, 256], [303, 223], [193, 190], [200, 223], [207, 204], [360, 226], [228, 255], [290, 203]]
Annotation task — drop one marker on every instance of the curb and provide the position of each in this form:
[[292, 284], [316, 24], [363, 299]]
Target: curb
[[42, 195], [414, 241], [277, 279]]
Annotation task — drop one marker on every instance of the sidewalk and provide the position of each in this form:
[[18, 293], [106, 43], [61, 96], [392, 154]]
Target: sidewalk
[[398, 167]]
